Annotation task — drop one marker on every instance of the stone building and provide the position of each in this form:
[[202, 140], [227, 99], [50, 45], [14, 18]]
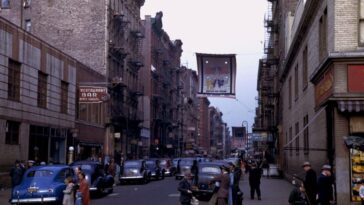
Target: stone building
[[107, 37], [316, 47], [37, 97]]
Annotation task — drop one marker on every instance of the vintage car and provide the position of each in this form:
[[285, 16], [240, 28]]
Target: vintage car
[[42, 184], [135, 170], [156, 172], [184, 164], [100, 182], [206, 173], [167, 165]]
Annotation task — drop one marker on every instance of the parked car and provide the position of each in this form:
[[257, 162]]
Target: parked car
[[42, 184], [100, 182], [167, 165], [184, 164], [155, 169], [207, 172], [135, 170]]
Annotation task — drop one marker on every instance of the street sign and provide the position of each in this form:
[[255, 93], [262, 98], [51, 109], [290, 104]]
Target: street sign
[[91, 94]]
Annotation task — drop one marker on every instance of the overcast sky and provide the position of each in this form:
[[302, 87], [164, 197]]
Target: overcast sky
[[219, 27]]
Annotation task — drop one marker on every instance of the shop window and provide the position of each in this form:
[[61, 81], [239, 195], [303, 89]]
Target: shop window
[[12, 133], [5, 4], [64, 97], [357, 172], [28, 25], [306, 145], [14, 80], [42, 90]]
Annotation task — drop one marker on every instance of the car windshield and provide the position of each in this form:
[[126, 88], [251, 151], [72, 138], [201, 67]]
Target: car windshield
[[210, 169], [40, 173]]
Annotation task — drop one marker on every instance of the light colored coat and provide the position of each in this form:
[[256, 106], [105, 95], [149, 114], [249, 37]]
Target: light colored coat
[[68, 196]]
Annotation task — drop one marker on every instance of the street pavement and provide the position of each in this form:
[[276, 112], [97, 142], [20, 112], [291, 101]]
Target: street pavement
[[164, 192]]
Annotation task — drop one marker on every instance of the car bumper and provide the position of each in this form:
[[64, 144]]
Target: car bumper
[[131, 177], [93, 188], [34, 200]]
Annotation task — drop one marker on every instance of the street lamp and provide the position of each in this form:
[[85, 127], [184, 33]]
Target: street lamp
[[246, 131]]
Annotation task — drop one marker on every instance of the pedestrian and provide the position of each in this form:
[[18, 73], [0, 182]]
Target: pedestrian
[[84, 189], [310, 183], [184, 187], [112, 168], [255, 174], [236, 192], [265, 166], [194, 171], [16, 174], [223, 192], [68, 194], [325, 186], [298, 196]]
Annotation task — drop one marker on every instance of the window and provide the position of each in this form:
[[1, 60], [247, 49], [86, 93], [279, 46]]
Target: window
[[12, 132], [361, 23], [28, 25], [296, 82], [42, 90], [290, 141], [5, 4], [297, 138], [323, 36], [64, 97], [289, 93], [304, 69], [14, 80], [305, 136]]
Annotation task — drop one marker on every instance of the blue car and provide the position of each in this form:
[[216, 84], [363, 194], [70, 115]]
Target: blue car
[[42, 184]]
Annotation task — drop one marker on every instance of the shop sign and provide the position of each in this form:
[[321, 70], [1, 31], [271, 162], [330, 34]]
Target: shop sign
[[355, 78], [90, 94], [323, 89]]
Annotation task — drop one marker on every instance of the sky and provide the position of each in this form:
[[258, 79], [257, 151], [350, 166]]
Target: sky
[[219, 27]]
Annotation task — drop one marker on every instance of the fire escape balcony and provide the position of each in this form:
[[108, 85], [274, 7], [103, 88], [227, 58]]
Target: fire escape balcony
[[136, 62]]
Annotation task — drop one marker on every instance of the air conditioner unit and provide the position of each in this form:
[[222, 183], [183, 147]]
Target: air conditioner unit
[[26, 3]]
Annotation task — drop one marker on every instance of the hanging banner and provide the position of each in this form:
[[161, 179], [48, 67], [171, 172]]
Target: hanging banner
[[90, 94], [217, 74]]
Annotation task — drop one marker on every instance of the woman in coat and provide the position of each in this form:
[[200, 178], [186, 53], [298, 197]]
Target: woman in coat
[[84, 189]]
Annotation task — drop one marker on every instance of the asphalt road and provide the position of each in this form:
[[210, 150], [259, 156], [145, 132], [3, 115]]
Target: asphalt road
[[163, 192]]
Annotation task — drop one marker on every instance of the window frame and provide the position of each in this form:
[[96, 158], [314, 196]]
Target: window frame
[[42, 89], [14, 80], [306, 142], [64, 97], [305, 68], [2, 4], [297, 140], [12, 132]]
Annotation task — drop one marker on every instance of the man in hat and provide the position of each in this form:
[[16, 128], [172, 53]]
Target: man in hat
[[310, 183], [185, 188], [16, 174], [324, 186], [255, 173], [223, 192]]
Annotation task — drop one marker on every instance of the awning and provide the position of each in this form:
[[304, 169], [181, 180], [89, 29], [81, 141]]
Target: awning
[[354, 142], [350, 105]]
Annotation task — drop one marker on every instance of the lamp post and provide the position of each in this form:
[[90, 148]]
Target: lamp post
[[246, 131]]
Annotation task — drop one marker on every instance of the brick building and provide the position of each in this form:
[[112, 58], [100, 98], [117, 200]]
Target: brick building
[[314, 54], [107, 37], [203, 127]]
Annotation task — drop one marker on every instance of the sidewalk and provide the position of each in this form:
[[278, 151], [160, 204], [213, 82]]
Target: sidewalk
[[5, 196], [274, 191]]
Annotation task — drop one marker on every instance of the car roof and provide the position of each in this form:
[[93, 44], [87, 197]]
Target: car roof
[[85, 162], [48, 167]]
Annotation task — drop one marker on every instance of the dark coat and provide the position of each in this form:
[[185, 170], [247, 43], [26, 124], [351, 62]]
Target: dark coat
[[295, 197], [16, 174], [183, 187], [254, 176], [325, 190], [310, 184]]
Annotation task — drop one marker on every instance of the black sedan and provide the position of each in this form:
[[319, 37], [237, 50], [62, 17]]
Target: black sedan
[[184, 165], [95, 175], [155, 169]]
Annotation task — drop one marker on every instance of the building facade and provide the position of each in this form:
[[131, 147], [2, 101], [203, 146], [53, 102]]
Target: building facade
[[203, 126], [317, 48]]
